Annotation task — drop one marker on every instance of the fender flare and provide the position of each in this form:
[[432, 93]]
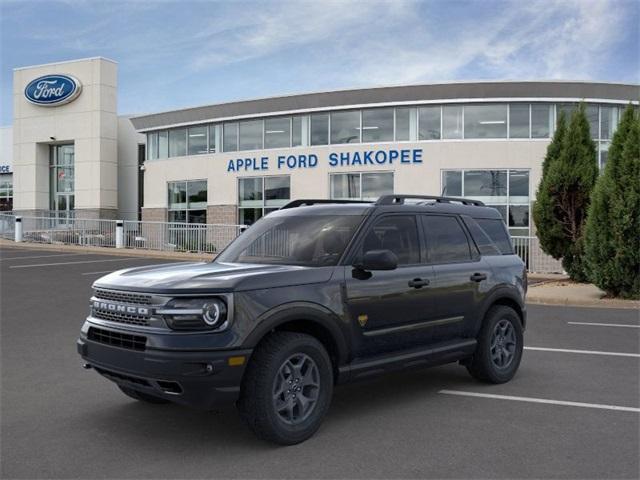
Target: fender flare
[[497, 294], [307, 311]]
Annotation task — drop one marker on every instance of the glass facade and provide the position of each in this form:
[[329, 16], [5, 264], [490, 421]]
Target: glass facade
[[375, 125], [508, 191], [6, 192], [62, 178], [187, 201], [360, 185], [258, 196]]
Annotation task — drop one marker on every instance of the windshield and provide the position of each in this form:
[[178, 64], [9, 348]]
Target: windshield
[[311, 241]]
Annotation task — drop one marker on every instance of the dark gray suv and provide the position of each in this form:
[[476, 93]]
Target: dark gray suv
[[316, 294]]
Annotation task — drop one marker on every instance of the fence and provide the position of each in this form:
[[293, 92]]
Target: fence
[[528, 248], [7, 226]]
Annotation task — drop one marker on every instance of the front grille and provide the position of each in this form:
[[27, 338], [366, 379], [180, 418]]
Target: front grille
[[117, 339], [121, 317], [119, 376], [125, 297]]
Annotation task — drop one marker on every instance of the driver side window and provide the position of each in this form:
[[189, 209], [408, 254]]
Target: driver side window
[[397, 233]]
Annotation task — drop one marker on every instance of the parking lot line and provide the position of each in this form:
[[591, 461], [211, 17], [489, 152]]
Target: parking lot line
[[587, 352], [604, 324], [73, 263], [43, 256], [540, 400]]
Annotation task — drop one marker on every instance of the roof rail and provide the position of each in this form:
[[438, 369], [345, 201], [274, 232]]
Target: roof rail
[[399, 199], [310, 201]]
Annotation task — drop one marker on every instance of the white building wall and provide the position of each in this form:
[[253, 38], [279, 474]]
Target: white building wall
[[6, 148], [89, 122], [128, 170]]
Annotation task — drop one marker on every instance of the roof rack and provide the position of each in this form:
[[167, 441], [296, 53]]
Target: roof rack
[[310, 201], [399, 200]]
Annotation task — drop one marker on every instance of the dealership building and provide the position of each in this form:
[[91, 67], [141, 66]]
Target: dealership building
[[233, 162]]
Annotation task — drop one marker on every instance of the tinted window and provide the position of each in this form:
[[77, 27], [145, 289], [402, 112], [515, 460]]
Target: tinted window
[[446, 240], [480, 237], [398, 234], [496, 231]]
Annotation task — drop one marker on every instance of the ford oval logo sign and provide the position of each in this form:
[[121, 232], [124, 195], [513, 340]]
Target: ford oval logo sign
[[53, 90]]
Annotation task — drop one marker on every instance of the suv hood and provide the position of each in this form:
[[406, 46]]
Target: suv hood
[[209, 276]]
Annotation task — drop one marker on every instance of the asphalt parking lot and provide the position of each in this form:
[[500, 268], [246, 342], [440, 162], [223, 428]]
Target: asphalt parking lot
[[572, 411]]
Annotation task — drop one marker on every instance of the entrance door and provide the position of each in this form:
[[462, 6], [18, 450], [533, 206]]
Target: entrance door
[[62, 181]]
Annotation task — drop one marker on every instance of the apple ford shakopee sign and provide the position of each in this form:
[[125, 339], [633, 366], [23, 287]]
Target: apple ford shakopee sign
[[53, 90]]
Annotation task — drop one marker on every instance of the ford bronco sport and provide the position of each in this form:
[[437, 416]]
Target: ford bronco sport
[[318, 293]]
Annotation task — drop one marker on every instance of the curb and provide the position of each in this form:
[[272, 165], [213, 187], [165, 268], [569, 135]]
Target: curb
[[568, 302], [126, 252]]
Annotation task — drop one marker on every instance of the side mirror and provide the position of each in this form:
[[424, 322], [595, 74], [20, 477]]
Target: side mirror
[[378, 260]]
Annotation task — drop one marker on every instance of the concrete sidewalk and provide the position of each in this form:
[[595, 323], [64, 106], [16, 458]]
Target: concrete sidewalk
[[130, 252], [566, 292]]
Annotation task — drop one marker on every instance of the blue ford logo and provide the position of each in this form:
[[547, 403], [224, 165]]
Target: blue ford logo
[[53, 90]]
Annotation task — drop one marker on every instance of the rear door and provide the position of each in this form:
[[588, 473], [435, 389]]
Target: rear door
[[460, 274]]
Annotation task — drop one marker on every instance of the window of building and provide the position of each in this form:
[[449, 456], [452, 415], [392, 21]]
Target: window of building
[[296, 131], [397, 233], [485, 121], [377, 125], [519, 120], [429, 123], [152, 146], [452, 121], [446, 240], [230, 137], [345, 127], [178, 142], [320, 129], [258, 196], [212, 138], [62, 178], [541, 120], [592, 113], [197, 140], [403, 124], [251, 135], [6, 192], [361, 186], [608, 122], [277, 132], [507, 191], [163, 144], [188, 201]]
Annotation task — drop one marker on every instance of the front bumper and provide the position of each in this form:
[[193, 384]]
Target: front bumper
[[199, 379]]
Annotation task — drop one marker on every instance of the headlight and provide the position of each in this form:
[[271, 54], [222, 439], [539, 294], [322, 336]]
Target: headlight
[[195, 313]]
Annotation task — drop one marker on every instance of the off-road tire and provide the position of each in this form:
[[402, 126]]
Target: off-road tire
[[256, 402], [141, 396], [482, 366]]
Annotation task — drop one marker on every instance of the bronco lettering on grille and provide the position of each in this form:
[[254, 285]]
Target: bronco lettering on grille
[[115, 307]]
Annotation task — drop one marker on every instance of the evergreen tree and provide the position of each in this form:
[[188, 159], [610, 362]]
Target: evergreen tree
[[612, 236], [548, 229], [565, 194]]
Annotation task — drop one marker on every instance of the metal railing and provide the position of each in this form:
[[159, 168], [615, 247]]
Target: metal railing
[[69, 231], [537, 261], [180, 237], [7, 226]]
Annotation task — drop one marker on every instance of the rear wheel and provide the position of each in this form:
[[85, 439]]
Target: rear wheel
[[141, 396], [499, 349], [287, 388]]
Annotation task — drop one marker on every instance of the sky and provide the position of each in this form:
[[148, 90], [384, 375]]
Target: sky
[[176, 54]]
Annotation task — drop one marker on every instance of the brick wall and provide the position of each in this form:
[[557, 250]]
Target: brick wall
[[154, 214], [222, 214]]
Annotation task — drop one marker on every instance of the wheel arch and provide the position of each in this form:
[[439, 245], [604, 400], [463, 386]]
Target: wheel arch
[[507, 298], [312, 319]]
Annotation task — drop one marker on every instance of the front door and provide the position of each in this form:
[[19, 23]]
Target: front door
[[390, 310]]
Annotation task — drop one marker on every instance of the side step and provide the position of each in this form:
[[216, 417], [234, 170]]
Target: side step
[[436, 354]]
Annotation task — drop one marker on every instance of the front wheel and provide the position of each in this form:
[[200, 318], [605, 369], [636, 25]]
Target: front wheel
[[500, 345], [287, 388]]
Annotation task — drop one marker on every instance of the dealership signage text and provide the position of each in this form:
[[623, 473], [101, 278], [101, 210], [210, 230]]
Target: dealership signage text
[[365, 158]]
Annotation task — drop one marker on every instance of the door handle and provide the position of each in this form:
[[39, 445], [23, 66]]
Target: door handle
[[418, 283], [478, 277]]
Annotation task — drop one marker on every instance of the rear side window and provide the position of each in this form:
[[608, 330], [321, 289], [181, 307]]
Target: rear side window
[[480, 237], [397, 233], [446, 240], [495, 228]]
